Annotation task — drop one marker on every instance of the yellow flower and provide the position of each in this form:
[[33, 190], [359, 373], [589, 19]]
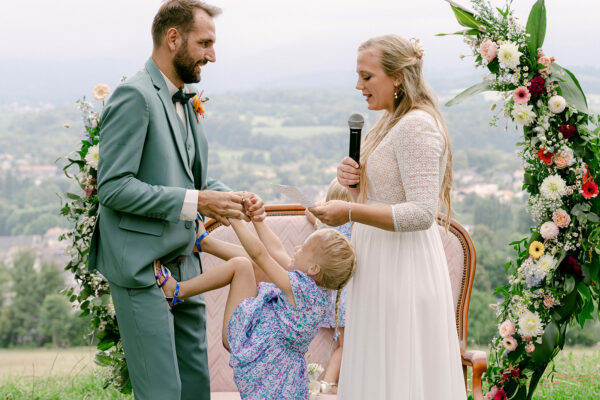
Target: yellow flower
[[100, 91], [536, 249]]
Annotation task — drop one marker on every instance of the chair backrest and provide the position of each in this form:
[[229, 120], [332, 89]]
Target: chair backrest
[[462, 261], [289, 223]]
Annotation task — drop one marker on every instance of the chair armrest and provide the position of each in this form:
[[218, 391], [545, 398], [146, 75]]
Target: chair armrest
[[477, 360]]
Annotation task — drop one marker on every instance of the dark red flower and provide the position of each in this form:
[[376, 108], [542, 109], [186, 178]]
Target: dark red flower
[[546, 157], [500, 395], [570, 265], [568, 131], [537, 85], [589, 190]]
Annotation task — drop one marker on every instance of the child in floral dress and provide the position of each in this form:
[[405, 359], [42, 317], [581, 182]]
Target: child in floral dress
[[337, 307], [268, 328]]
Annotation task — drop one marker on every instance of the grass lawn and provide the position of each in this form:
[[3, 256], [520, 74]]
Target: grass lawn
[[70, 374]]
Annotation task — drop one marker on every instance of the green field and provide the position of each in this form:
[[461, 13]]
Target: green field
[[71, 375]]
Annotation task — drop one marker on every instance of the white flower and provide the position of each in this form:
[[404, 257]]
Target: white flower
[[557, 104], [553, 187], [100, 91], [546, 263], [92, 156], [314, 370], [509, 54], [530, 324], [523, 114], [549, 230]]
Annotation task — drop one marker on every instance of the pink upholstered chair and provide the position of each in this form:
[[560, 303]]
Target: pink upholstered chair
[[289, 223]]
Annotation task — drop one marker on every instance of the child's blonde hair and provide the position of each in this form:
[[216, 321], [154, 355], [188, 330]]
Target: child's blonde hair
[[337, 192], [336, 256]]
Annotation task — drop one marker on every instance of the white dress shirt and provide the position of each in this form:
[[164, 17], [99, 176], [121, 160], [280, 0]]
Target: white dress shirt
[[189, 210]]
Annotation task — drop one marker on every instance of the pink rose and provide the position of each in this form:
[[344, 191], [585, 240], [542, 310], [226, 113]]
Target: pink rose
[[561, 218], [507, 329], [492, 393], [488, 50], [530, 347], [561, 161], [546, 62]]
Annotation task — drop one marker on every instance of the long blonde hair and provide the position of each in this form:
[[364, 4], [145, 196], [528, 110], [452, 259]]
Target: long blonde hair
[[337, 259], [402, 58]]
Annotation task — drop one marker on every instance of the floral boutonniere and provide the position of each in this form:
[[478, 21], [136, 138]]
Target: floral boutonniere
[[198, 104]]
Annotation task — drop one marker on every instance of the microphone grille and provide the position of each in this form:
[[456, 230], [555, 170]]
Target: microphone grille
[[356, 121]]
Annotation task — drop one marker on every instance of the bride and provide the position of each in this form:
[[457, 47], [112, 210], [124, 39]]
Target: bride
[[401, 338]]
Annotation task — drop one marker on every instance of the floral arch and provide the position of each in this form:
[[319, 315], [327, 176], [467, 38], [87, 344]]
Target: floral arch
[[554, 276]]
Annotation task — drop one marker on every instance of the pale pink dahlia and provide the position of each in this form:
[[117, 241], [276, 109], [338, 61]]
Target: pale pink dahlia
[[549, 230]]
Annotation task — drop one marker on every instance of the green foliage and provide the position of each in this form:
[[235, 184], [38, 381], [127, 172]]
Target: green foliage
[[536, 28], [481, 326], [32, 312], [465, 94]]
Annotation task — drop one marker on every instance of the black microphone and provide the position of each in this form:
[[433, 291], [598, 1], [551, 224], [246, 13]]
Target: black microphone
[[355, 122]]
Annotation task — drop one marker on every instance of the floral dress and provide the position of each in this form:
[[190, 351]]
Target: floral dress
[[329, 322], [269, 337]]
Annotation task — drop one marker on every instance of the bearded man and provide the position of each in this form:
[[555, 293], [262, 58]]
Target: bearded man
[[152, 184]]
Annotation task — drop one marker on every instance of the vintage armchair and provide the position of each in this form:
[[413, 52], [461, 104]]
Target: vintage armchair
[[291, 225]]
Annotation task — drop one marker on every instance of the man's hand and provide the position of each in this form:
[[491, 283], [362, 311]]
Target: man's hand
[[221, 205], [254, 206]]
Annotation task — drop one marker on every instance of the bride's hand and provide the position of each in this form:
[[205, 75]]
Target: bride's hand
[[332, 213], [348, 173]]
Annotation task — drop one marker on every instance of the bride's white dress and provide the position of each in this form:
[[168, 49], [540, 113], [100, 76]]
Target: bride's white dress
[[400, 336]]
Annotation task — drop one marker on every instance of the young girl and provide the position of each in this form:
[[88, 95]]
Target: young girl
[[268, 329], [337, 308]]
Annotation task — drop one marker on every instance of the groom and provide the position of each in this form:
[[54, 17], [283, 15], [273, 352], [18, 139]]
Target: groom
[[152, 182]]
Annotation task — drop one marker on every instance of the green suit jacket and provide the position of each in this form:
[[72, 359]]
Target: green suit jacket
[[143, 174]]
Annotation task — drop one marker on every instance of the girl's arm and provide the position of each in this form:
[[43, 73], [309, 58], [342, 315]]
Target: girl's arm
[[272, 243], [260, 255], [218, 248]]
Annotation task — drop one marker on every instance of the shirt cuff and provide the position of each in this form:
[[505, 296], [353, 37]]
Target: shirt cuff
[[189, 210]]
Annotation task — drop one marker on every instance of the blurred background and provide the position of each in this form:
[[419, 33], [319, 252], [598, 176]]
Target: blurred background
[[280, 95]]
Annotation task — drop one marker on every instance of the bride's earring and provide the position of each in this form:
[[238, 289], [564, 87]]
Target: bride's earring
[[396, 89]]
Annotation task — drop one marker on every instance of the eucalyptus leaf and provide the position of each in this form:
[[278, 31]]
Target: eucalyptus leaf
[[465, 94]]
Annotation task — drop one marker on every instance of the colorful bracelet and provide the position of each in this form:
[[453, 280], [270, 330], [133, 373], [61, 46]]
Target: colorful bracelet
[[199, 240]]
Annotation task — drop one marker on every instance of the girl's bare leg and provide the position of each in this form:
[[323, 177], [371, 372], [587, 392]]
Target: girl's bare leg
[[332, 373], [237, 272], [243, 285]]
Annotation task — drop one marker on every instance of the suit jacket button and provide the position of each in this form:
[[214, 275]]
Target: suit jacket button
[[188, 224]]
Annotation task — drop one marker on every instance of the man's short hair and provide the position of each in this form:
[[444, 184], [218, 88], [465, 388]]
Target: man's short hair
[[178, 14]]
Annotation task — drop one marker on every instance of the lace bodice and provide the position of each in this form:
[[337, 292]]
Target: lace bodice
[[406, 170]]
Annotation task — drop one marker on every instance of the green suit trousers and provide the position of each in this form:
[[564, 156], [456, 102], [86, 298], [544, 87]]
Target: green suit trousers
[[165, 350]]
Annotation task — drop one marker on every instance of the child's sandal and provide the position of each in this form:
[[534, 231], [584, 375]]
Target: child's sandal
[[166, 275]]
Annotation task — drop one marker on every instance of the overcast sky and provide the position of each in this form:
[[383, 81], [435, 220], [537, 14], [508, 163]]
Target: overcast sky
[[65, 46]]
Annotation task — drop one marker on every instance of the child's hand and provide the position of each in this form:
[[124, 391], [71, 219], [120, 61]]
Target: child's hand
[[254, 207]]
